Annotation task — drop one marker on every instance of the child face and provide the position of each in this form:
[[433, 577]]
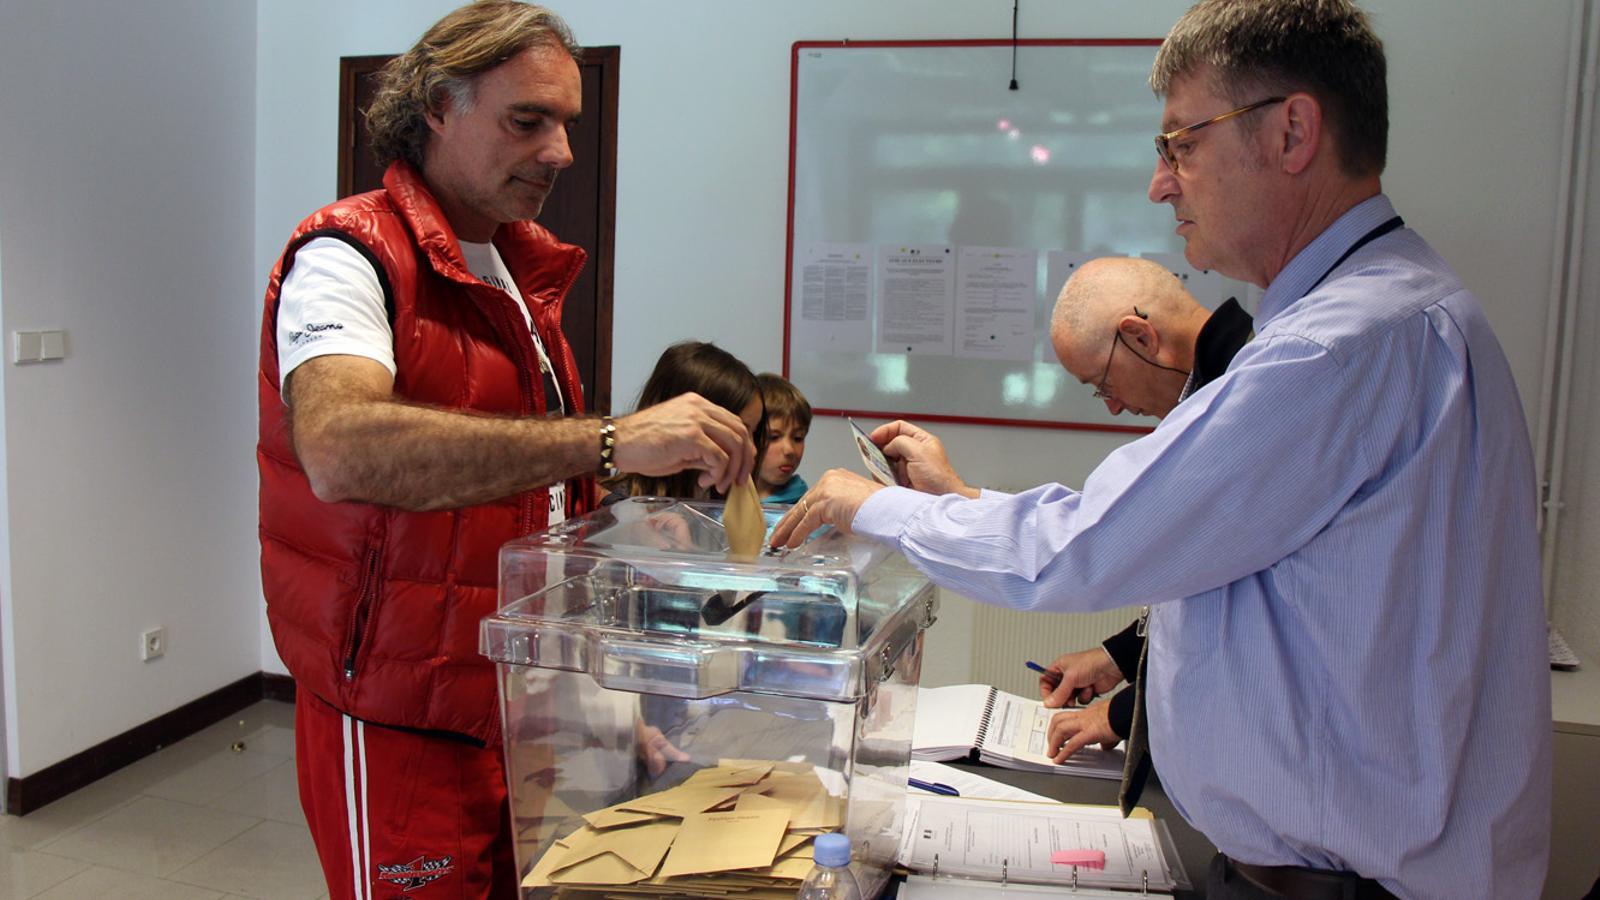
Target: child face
[[786, 445]]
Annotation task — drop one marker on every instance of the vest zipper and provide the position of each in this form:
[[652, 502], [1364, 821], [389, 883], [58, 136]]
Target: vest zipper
[[361, 628]]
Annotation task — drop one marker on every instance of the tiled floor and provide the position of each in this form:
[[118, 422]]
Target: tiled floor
[[199, 820]]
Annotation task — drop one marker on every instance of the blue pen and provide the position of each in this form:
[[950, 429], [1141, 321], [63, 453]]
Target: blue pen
[[1053, 676], [934, 787]]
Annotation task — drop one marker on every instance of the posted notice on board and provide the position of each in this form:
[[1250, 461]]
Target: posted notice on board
[[832, 298], [916, 299], [997, 290]]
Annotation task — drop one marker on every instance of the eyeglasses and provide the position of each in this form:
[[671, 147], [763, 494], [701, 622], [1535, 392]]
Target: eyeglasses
[[1164, 141], [1100, 392]]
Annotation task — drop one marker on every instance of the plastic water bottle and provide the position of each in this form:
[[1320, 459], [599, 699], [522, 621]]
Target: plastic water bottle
[[830, 878]]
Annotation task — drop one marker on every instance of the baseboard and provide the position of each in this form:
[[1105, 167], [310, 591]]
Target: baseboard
[[24, 795], [277, 687]]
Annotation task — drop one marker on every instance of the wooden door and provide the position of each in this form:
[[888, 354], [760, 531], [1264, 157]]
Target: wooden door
[[580, 210]]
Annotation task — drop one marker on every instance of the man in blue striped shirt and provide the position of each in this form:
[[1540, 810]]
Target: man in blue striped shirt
[[1348, 687]]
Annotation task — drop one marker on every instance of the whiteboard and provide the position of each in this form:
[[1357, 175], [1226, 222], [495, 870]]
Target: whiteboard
[[935, 215]]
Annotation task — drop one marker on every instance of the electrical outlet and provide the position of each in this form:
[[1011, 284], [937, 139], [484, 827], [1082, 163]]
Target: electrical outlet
[[152, 644]]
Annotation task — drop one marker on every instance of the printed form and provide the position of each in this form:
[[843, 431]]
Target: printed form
[[983, 838]]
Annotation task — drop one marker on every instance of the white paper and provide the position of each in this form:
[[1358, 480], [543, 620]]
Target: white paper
[[1019, 734], [923, 887], [947, 720], [1059, 266], [982, 838], [916, 299], [997, 289], [832, 298], [969, 783], [1205, 285]]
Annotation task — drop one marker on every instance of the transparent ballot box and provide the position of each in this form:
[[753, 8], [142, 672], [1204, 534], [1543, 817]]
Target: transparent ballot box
[[678, 723]]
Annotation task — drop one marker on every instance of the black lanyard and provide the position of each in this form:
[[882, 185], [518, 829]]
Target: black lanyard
[[1366, 239]]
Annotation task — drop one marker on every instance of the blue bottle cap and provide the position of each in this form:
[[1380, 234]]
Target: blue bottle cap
[[832, 849]]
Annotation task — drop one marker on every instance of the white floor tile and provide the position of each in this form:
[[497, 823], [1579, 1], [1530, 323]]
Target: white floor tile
[[274, 794], [272, 860], [209, 777], [152, 836], [158, 767], [99, 882], [70, 813], [248, 724], [24, 873]]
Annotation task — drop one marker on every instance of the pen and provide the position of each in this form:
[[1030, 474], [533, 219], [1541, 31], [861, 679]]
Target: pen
[[934, 787], [1053, 676]]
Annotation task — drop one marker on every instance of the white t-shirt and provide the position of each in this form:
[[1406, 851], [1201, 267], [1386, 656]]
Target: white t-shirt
[[331, 303]]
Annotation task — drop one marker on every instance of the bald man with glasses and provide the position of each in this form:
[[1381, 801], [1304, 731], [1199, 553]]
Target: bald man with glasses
[[1164, 346]]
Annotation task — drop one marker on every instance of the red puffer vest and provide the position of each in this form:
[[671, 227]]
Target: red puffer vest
[[373, 608]]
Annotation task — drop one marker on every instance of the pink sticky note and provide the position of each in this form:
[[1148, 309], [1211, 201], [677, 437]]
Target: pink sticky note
[[1088, 859]]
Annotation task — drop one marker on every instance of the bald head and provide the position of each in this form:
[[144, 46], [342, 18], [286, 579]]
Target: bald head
[[1099, 301]]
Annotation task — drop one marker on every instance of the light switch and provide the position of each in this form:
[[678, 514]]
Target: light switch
[[52, 345], [37, 346], [25, 347]]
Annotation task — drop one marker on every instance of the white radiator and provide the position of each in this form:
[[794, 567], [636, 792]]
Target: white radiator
[[983, 644]]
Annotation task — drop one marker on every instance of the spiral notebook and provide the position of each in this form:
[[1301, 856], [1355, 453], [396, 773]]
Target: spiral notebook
[[986, 724]]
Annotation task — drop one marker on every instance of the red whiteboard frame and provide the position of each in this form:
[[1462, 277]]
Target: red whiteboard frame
[[788, 257]]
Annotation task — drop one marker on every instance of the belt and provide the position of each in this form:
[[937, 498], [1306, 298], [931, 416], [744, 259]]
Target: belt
[[1310, 884]]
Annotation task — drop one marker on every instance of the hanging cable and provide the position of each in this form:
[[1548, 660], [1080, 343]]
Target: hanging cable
[[1014, 43]]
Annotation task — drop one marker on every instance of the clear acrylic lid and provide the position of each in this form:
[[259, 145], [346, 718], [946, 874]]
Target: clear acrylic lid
[[642, 596]]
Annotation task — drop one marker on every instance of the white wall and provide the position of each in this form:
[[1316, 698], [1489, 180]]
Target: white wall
[[1575, 607], [127, 136]]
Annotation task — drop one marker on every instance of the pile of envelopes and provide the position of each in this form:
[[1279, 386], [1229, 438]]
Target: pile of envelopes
[[739, 829]]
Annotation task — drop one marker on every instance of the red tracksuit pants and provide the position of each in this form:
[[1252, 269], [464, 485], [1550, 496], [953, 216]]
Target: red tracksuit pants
[[395, 814]]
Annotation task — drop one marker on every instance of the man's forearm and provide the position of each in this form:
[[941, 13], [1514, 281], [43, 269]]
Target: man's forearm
[[421, 458]]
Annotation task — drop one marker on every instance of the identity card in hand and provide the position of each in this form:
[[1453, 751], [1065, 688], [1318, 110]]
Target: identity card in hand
[[877, 464]]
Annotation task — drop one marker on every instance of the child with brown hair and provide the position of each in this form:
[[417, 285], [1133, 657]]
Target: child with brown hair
[[788, 421]]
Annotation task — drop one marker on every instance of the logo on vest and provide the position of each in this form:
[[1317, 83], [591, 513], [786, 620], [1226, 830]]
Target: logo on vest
[[420, 871]]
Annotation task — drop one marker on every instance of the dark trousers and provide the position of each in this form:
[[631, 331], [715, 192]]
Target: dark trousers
[[1222, 883]]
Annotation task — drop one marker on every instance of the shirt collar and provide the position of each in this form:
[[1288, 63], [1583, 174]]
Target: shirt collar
[[1313, 262]]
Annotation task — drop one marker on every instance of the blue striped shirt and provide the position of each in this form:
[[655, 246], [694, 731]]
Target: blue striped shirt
[[1355, 677]]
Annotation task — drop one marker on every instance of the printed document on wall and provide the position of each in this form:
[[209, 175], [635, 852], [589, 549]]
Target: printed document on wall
[[1206, 285], [1059, 266], [997, 289], [916, 299], [833, 293]]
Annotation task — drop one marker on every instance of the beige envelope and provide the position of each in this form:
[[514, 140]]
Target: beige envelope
[[718, 842], [601, 868], [641, 846], [758, 802], [742, 518], [809, 805], [680, 801], [611, 817], [729, 776]]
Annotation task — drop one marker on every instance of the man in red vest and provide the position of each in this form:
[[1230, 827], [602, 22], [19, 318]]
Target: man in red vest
[[420, 407]]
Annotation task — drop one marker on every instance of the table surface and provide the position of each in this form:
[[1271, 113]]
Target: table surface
[[1575, 699], [1193, 848]]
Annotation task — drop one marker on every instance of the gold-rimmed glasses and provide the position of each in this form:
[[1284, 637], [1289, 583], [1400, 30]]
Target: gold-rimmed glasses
[[1164, 141]]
